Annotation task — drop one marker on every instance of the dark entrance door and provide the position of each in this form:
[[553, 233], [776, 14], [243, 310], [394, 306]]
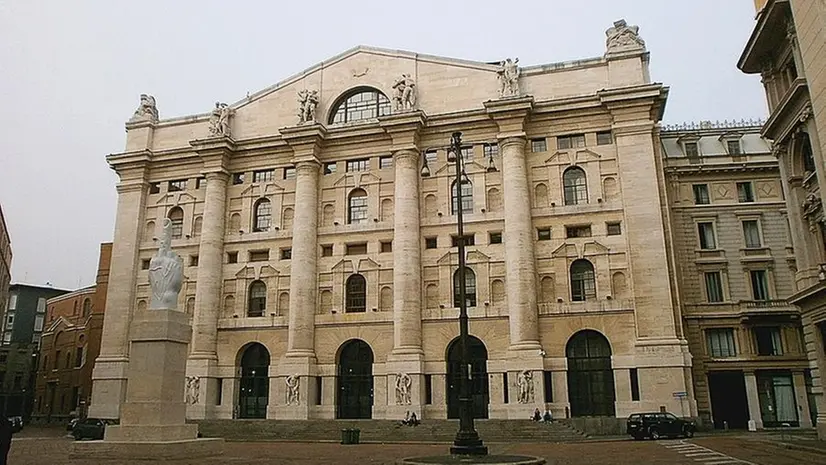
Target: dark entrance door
[[479, 387], [355, 380], [590, 377], [255, 382], [728, 399]]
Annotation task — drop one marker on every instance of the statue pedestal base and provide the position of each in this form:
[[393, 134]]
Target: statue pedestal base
[[153, 418]]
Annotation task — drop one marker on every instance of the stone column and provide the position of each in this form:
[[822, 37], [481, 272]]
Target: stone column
[[109, 373], [753, 399], [520, 265], [804, 415]]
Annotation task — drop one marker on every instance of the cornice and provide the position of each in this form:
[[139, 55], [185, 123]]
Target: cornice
[[785, 116], [763, 36]]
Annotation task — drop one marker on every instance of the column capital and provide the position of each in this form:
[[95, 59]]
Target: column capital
[[510, 114], [216, 174], [404, 129], [306, 165], [405, 155], [131, 186], [512, 139]]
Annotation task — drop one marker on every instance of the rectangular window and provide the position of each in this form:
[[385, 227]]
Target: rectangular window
[[691, 149], [430, 156], [38, 322], [721, 342], [701, 194], [289, 172], [706, 232], [549, 386], [751, 234], [428, 389], [470, 239], [232, 257], [177, 185], [490, 150], [745, 193], [570, 142], [495, 238], [385, 162], [768, 340], [287, 253], [357, 209], [605, 138], [41, 304], [259, 255], [543, 234], [635, 384], [386, 246], [613, 229], [200, 182], [467, 153], [430, 243], [319, 383], [578, 231], [759, 285], [56, 360], [237, 178], [539, 145], [358, 165], [12, 301], [357, 249], [9, 321], [155, 188], [220, 394], [262, 176], [193, 260], [79, 357], [505, 386], [733, 147], [326, 250], [330, 168], [714, 286]]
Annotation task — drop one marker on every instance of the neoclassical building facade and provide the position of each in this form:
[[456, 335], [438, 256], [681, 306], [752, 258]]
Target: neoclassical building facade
[[316, 220]]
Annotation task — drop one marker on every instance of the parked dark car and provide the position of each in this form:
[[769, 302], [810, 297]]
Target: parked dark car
[[659, 424], [90, 428], [71, 425]]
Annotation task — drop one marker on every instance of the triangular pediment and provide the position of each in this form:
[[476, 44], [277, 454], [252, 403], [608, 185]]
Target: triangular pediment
[[473, 256], [594, 248], [253, 271], [566, 250], [471, 167], [559, 158], [175, 198], [585, 155], [357, 179], [258, 190], [343, 266], [60, 323]]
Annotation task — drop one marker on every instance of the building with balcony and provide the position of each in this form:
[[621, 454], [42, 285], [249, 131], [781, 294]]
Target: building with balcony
[[735, 268], [786, 48], [322, 247]]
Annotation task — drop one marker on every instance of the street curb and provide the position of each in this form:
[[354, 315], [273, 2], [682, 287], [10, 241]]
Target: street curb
[[787, 445]]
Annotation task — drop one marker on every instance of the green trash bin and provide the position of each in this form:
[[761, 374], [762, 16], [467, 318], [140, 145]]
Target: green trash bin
[[345, 436], [354, 436]]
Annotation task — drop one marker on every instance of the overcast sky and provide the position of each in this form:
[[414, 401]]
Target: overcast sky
[[71, 73]]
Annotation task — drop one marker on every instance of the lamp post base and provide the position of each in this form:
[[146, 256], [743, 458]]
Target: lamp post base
[[473, 460]]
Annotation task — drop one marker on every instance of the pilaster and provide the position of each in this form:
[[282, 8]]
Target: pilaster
[[753, 399]]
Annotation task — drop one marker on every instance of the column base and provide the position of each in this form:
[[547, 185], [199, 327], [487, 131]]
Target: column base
[[411, 364], [282, 405], [109, 384], [205, 369]]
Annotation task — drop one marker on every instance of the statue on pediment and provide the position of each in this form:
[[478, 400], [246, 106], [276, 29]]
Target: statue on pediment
[[147, 110], [623, 38], [508, 74], [219, 120], [166, 273], [404, 93], [307, 102]]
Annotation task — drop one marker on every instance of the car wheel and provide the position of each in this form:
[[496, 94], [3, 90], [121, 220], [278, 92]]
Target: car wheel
[[688, 433], [654, 434], [77, 436], [638, 437]]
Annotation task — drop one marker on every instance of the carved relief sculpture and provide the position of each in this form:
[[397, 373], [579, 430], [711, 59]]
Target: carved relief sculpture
[[307, 102], [813, 211], [193, 389], [165, 273], [403, 383], [147, 110], [525, 384], [508, 74], [623, 38], [219, 120], [404, 93], [292, 382]]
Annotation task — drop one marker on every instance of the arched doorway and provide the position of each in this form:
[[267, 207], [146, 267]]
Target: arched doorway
[[479, 387], [355, 380], [590, 378], [255, 382]]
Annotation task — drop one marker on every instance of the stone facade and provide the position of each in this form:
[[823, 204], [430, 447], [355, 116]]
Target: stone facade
[[320, 261], [5, 269], [786, 49]]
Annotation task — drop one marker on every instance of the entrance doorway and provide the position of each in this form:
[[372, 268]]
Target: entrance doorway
[[729, 405], [255, 382], [590, 377], [355, 380], [479, 387]]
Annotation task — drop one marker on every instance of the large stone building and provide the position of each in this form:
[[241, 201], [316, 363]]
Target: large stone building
[[69, 346], [734, 270], [320, 259], [5, 268], [786, 48]]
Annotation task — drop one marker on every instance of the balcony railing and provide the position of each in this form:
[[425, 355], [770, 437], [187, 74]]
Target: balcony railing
[[780, 303], [588, 306]]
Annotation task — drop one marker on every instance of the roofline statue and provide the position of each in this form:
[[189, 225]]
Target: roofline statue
[[147, 110]]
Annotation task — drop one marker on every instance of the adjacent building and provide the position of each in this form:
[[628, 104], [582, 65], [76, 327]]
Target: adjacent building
[[5, 268], [786, 49]]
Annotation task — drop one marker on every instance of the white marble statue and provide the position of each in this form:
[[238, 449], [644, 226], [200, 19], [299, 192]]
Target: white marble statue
[[292, 382], [623, 38], [404, 93], [193, 389], [403, 383], [147, 110], [166, 273], [525, 384], [219, 120], [307, 102], [508, 74]]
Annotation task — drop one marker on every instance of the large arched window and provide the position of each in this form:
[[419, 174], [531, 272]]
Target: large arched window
[[262, 219], [590, 377], [470, 288], [808, 157], [583, 286], [258, 299], [357, 207], [356, 294], [177, 217], [467, 197], [360, 104], [87, 307], [574, 186]]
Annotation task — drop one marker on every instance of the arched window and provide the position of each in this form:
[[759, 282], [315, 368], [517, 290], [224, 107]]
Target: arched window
[[258, 299], [87, 307], [467, 197], [574, 186], [197, 226], [357, 207], [360, 104], [583, 286], [806, 153], [590, 376], [262, 219], [470, 288], [356, 294], [177, 217]]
